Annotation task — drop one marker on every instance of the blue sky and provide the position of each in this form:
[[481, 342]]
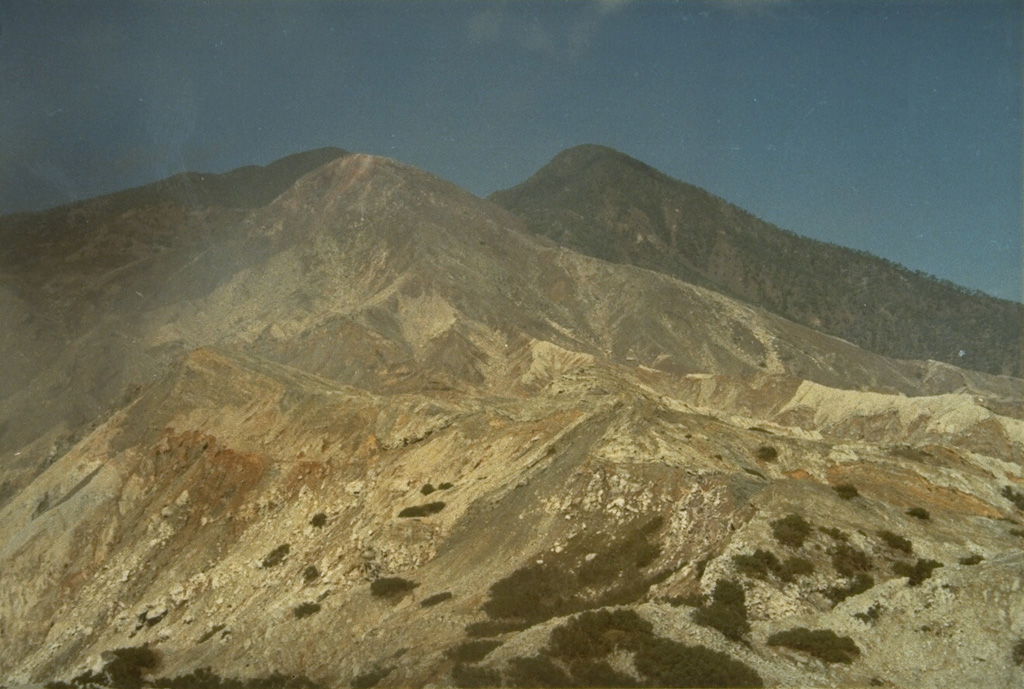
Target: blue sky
[[892, 127]]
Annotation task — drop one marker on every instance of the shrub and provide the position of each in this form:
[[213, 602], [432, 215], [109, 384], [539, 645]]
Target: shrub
[[371, 677], [795, 567], [276, 556], [896, 542], [127, 665], [305, 610], [427, 489], [447, 485], [1017, 532], [758, 565], [472, 651], [860, 583], [727, 612], [846, 491], [919, 513], [596, 634], [668, 663], [971, 559], [917, 572], [1014, 496], [387, 587], [767, 453], [1018, 652], [310, 574], [792, 530], [435, 599], [835, 534], [823, 644], [849, 560], [422, 510], [319, 520], [869, 615]]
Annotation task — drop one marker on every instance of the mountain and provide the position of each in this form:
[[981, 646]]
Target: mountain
[[602, 203], [375, 432]]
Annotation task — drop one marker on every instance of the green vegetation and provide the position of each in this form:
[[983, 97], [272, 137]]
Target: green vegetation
[[319, 520], [435, 599], [310, 574], [427, 489], [446, 485], [727, 612], [971, 559], [914, 454], [391, 587], [1018, 652], [896, 542], [849, 560], [578, 654], [767, 453], [203, 678], [763, 563], [791, 530], [823, 644], [422, 510], [846, 491], [917, 572], [1014, 496], [472, 651], [835, 534], [871, 614], [593, 570], [305, 610], [919, 513], [276, 556]]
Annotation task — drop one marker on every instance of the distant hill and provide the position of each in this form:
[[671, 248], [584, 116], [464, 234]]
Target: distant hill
[[600, 202]]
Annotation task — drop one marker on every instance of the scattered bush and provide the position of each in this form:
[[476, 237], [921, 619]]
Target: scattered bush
[[422, 510], [204, 678], [1017, 532], [310, 574], [823, 644], [319, 520], [276, 556], [917, 572], [846, 491], [388, 587], [1014, 496], [919, 513], [447, 485], [871, 614], [305, 610], [759, 565], [971, 559], [795, 567], [472, 651], [767, 453], [209, 634], [371, 677], [860, 583], [849, 560], [427, 489], [598, 633], [435, 599], [835, 534], [125, 669], [1018, 652], [896, 542], [536, 671], [727, 612], [792, 530], [668, 663]]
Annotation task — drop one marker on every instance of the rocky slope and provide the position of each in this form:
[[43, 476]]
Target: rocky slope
[[375, 433]]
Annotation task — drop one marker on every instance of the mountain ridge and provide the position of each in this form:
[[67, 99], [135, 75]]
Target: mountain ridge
[[606, 204]]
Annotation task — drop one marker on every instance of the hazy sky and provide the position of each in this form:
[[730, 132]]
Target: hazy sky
[[893, 127]]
